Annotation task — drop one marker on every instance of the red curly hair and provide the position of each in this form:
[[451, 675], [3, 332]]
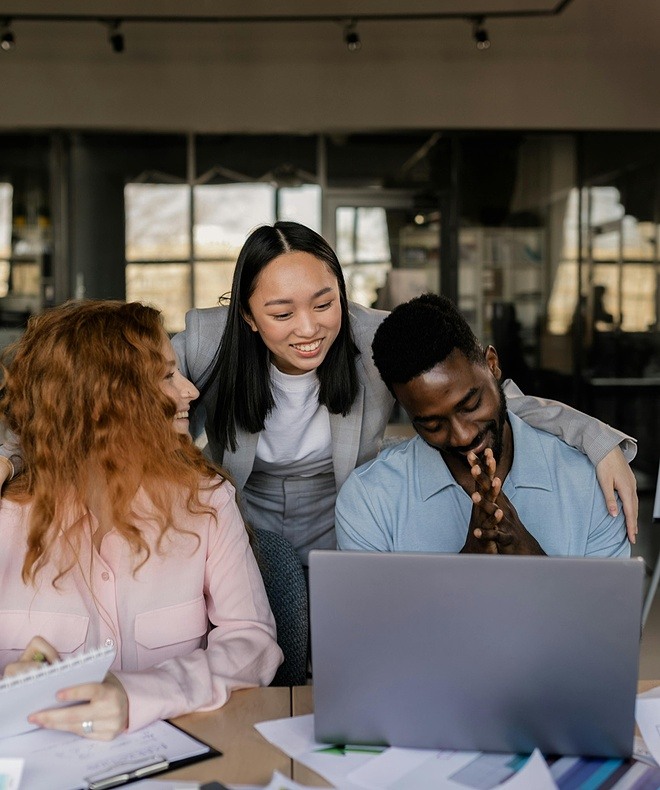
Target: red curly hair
[[82, 388]]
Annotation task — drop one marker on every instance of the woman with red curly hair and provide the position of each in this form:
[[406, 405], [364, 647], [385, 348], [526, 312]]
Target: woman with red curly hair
[[119, 531]]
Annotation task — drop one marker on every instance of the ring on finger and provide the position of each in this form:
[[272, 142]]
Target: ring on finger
[[88, 727]]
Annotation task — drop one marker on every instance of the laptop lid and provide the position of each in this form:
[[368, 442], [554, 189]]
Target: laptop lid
[[475, 652]]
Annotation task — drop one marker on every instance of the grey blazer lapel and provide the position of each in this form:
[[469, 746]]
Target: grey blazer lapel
[[345, 432], [240, 463]]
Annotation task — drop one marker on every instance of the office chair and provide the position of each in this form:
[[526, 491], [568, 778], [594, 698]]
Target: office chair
[[655, 579], [284, 580]]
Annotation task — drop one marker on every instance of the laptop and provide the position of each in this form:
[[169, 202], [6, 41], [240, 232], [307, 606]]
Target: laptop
[[475, 652]]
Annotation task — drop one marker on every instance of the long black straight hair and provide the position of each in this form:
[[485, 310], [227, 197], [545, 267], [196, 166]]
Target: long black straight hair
[[242, 365]]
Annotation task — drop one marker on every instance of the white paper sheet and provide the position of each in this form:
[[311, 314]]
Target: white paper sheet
[[295, 737], [647, 715], [279, 782], [21, 695], [641, 751], [10, 773], [60, 760], [154, 784], [426, 769], [398, 769], [535, 773]]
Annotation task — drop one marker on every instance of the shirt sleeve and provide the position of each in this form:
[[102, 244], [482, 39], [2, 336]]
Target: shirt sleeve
[[242, 650], [354, 507], [587, 434], [607, 535]]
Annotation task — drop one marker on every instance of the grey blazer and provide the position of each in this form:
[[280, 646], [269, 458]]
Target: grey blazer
[[356, 438]]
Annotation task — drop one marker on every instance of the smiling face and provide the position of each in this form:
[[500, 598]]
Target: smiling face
[[458, 406], [177, 388], [295, 308]]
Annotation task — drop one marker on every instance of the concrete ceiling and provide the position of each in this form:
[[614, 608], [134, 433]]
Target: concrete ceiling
[[594, 64]]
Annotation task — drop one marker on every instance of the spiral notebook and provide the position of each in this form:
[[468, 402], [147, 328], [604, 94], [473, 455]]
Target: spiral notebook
[[21, 695]]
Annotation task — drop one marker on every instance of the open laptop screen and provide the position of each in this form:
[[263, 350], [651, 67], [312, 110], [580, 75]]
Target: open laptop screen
[[476, 652]]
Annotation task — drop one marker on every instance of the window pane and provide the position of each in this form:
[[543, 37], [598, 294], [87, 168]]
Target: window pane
[[607, 214], [226, 213], [6, 193], [301, 204], [563, 298], [363, 249], [4, 278], [638, 239], [157, 221], [212, 280], [25, 279], [605, 205], [362, 235], [637, 295], [165, 286]]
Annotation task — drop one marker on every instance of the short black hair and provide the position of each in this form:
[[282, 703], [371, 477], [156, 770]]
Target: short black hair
[[420, 334]]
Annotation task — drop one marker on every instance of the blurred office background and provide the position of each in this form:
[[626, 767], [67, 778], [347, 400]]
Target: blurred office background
[[141, 141]]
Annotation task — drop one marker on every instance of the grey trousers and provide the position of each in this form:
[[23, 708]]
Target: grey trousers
[[301, 509]]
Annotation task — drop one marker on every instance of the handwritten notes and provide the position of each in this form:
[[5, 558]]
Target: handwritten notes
[[61, 761]]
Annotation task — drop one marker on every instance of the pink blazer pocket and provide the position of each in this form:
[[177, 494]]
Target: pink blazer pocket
[[66, 632], [170, 632]]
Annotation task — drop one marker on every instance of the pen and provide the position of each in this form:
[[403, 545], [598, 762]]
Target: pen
[[128, 776], [39, 657]]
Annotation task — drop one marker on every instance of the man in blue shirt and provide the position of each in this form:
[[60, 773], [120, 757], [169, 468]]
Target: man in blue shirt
[[476, 478]]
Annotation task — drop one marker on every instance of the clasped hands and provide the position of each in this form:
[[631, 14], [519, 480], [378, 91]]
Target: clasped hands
[[96, 710], [495, 527]]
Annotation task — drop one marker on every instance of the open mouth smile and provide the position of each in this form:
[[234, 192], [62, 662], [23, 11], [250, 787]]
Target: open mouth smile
[[307, 347]]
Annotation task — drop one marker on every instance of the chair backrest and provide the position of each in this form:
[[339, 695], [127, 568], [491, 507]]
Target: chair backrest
[[284, 580]]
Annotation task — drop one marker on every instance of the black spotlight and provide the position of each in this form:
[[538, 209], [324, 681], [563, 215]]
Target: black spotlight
[[116, 37], [7, 40], [352, 37], [480, 34]]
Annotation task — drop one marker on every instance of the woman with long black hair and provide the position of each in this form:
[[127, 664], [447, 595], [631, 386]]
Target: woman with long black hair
[[291, 399]]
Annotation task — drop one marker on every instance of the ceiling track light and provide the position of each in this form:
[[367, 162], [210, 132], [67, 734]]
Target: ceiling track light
[[116, 37], [7, 40], [349, 23], [480, 34], [351, 36]]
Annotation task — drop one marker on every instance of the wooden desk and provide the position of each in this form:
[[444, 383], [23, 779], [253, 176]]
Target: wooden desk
[[247, 757], [302, 702]]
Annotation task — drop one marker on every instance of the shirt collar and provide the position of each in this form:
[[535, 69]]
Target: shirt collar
[[529, 469], [433, 474], [530, 466]]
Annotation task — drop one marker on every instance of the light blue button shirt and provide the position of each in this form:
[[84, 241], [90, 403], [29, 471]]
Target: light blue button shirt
[[407, 500]]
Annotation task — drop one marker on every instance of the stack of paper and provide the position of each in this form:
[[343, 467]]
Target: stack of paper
[[357, 767]]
